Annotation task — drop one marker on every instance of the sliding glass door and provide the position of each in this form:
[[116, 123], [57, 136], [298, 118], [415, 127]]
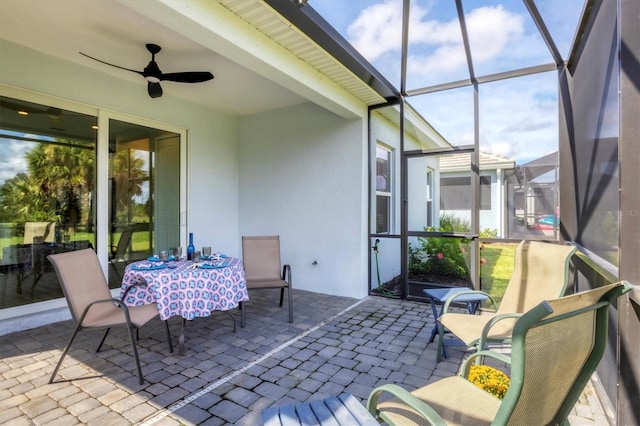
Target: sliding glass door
[[144, 195], [54, 162], [47, 195]]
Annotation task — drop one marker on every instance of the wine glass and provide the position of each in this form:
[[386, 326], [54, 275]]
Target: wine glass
[[177, 252], [206, 252]]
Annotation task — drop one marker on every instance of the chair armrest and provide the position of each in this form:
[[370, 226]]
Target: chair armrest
[[496, 319], [466, 364], [493, 321], [403, 395], [117, 302], [465, 293], [286, 274]]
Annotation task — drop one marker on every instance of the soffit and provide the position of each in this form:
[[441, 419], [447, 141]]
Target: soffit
[[116, 31], [277, 28]]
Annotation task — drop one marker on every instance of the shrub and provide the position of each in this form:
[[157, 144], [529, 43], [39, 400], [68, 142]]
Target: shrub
[[488, 233], [441, 256]]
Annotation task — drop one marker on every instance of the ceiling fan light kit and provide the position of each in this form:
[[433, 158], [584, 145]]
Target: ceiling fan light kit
[[154, 76]]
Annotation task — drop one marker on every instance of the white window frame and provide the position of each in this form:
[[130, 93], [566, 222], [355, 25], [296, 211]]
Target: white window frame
[[388, 195], [430, 190]]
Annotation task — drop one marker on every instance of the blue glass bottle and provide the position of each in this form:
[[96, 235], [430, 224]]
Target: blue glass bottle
[[190, 248]]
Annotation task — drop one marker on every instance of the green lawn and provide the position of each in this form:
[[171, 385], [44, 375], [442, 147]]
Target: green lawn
[[496, 271], [139, 240]]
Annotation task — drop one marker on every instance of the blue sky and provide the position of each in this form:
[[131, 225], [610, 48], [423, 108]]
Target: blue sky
[[519, 117]]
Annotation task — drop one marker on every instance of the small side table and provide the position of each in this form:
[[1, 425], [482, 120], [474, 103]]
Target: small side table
[[439, 296], [343, 409]]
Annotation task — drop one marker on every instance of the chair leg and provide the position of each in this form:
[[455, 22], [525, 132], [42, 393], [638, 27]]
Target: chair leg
[[440, 350], [242, 314], [135, 353], [166, 323], [103, 339], [290, 304], [64, 353], [281, 295]]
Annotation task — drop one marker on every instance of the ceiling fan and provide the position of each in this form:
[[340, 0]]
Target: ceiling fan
[[154, 76]]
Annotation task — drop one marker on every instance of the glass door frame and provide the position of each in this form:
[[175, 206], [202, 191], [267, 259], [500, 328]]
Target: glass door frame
[[102, 189]]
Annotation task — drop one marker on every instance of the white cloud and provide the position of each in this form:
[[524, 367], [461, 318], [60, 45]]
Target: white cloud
[[490, 29], [518, 117], [376, 32]]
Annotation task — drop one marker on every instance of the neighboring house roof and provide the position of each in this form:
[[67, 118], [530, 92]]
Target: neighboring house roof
[[461, 162], [540, 166]]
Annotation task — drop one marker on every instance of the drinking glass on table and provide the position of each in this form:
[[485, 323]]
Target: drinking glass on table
[[206, 251], [176, 252], [195, 257], [164, 255]]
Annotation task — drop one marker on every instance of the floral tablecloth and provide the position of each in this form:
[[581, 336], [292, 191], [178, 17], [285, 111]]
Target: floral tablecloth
[[184, 290]]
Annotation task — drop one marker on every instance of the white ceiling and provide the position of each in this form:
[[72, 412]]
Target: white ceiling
[[114, 33]]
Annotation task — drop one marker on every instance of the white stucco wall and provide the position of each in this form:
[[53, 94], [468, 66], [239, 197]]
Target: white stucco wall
[[303, 176]]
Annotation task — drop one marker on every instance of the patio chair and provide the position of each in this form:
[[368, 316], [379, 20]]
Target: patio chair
[[556, 348], [43, 230], [541, 272], [117, 254], [261, 259], [87, 292]]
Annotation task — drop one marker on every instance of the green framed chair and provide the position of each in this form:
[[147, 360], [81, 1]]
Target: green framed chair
[[556, 347], [541, 272]]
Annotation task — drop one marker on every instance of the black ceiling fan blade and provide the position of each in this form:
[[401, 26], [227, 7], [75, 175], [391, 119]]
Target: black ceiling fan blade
[[154, 76], [112, 65], [187, 77], [154, 89]]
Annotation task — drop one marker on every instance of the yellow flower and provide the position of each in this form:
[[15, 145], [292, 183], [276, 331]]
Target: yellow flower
[[490, 379]]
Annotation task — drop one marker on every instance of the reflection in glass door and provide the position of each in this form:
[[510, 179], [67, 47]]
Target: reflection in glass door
[[47, 195], [144, 197]]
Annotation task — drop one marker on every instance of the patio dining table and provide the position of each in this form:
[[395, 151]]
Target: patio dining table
[[184, 288]]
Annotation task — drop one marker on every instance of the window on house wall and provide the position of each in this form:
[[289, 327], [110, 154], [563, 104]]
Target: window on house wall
[[430, 191], [455, 193], [485, 192], [383, 190]]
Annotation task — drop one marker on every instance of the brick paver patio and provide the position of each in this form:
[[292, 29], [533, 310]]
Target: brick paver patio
[[335, 345]]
